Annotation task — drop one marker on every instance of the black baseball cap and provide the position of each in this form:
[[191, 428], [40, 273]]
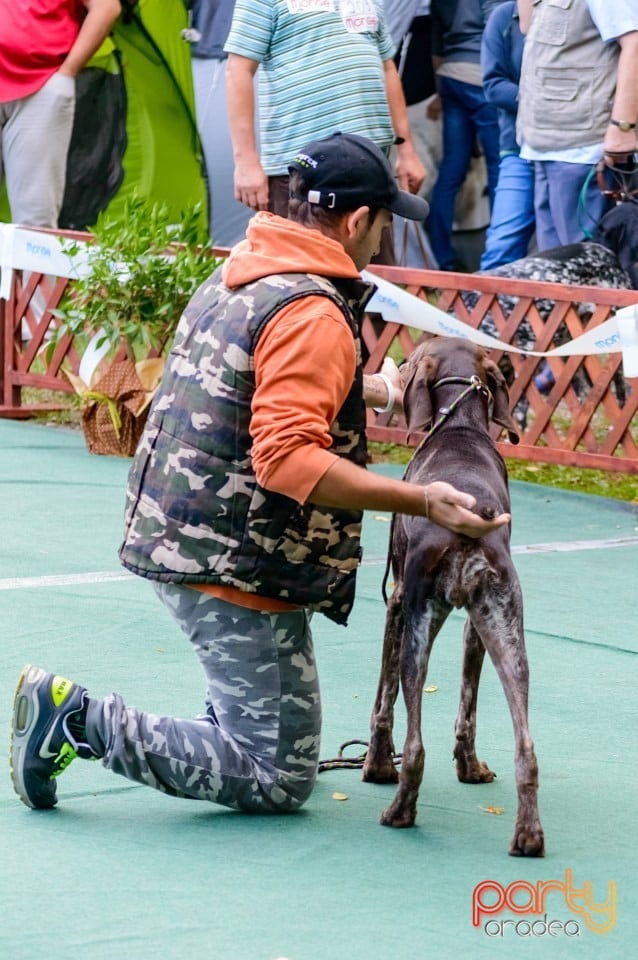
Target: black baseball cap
[[345, 171]]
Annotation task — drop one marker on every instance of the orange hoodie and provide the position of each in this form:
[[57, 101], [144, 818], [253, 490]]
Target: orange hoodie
[[305, 360], [305, 363]]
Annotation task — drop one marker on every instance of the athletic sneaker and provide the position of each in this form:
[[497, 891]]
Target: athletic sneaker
[[48, 726]]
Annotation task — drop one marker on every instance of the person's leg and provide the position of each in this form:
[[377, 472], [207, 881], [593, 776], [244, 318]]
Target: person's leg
[[457, 150], [512, 223], [577, 203], [568, 202], [36, 141], [485, 120], [228, 217], [546, 232], [257, 749]]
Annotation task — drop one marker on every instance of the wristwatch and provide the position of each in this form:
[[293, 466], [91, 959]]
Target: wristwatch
[[623, 125]]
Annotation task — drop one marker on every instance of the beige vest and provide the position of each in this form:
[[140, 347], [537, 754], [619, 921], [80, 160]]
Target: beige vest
[[568, 78]]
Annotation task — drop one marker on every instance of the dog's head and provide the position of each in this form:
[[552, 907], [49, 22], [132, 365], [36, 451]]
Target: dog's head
[[440, 357]]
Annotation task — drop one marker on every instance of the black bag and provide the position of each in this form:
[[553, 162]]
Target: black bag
[[414, 61], [95, 168]]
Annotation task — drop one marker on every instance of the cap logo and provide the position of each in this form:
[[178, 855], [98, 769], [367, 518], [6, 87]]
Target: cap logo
[[305, 161]]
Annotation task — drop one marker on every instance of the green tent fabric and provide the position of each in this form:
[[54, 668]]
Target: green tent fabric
[[135, 127]]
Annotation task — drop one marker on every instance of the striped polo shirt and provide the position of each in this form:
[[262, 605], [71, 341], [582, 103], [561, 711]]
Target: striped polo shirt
[[321, 70]]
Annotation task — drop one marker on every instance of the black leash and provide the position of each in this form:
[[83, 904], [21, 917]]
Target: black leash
[[351, 763], [472, 384]]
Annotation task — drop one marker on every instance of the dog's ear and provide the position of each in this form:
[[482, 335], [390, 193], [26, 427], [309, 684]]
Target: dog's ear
[[417, 403], [501, 407]]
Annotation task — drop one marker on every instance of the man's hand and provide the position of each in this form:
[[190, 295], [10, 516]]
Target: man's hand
[[375, 389], [390, 369], [408, 168], [251, 185], [452, 509], [434, 110]]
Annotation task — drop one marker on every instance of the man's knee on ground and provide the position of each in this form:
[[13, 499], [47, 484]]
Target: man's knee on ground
[[287, 793]]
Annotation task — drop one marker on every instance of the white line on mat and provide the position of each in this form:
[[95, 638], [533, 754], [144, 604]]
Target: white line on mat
[[63, 580], [573, 545], [559, 546], [84, 579]]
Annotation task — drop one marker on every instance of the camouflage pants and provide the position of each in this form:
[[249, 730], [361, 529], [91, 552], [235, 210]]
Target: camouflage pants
[[257, 747]]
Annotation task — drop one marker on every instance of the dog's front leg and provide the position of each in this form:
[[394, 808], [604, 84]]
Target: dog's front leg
[[379, 766], [469, 769]]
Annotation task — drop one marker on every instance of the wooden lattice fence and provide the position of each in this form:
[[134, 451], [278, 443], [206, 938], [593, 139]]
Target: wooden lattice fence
[[588, 419], [590, 416]]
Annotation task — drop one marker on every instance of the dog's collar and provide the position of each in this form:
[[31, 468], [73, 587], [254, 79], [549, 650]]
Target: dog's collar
[[472, 384]]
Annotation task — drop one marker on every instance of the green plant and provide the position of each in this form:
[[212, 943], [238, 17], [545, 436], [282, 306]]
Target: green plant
[[141, 271]]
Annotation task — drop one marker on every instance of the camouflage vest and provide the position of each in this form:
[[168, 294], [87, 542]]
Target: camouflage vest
[[195, 512], [568, 78]]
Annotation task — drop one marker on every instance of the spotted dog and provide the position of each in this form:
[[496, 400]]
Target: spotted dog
[[609, 259], [452, 384], [588, 263]]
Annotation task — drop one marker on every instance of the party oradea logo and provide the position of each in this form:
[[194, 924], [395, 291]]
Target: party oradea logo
[[547, 908]]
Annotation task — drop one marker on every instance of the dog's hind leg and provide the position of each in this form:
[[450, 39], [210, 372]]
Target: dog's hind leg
[[500, 624], [420, 632], [379, 766], [468, 768]]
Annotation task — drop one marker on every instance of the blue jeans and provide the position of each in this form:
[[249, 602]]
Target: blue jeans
[[568, 202], [512, 223], [466, 116]]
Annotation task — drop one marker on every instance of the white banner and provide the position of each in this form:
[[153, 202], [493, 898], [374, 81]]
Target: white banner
[[24, 249], [38, 252], [618, 334]]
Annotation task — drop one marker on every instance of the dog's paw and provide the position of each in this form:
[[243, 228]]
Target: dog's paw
[[473, 771], [527, 842], [379, 765], [380, 772], [397, 815]]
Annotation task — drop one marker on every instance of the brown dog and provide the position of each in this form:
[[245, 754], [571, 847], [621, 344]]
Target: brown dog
[[452, 384]]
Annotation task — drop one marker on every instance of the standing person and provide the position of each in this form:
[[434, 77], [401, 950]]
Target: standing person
[[398, 17], [414, 56], [512, 222], [43, 46], [209, 25], [457, 27], [245, 503], [578, 104], [322, 67], [416, 70]]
